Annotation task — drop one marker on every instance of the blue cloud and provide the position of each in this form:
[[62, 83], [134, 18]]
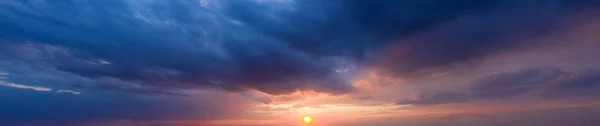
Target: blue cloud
[[276, 47], [30, 106]]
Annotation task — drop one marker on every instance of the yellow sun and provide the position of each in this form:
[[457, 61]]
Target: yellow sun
[[307, 119]]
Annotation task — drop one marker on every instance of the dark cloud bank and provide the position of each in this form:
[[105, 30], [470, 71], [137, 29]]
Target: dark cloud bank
[[544, 82], [274, 47]]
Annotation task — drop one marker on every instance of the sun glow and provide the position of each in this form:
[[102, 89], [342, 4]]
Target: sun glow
[[307, 119]]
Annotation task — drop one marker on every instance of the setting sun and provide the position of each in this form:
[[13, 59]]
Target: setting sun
[[307, 119]]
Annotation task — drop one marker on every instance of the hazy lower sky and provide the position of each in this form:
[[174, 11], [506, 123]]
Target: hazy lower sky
[[271, 62]]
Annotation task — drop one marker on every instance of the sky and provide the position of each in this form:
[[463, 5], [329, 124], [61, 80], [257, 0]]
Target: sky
[[271, 62]]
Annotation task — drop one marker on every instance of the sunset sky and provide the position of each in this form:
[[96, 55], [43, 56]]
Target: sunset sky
[[272, 62]]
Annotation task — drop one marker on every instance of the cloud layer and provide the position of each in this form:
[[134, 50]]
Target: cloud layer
[[157, 60], [545, 82], [276, 47]]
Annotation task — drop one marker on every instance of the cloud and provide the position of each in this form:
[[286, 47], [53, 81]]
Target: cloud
[[68, 91], [20, 86], [439, 98], [505, 85], [542, 117], [36, 88], [21, 107], [542, 82], [546, 117], [582, 84], [13, 85], [270, 46], [41, 75], [474, 35], [364, 97], [140, 57], [3, 82], [258, 96]]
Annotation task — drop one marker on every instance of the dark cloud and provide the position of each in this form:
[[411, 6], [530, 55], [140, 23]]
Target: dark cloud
[[584, 116], [582, 84], [364, 97], [501, 26], [505, 85], [542, 117], [276, 47], [439, 98], [201, 49], [544, 82], [31, 106], [23, 73]]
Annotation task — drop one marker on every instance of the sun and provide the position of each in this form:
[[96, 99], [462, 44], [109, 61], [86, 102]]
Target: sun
[[307, 119]]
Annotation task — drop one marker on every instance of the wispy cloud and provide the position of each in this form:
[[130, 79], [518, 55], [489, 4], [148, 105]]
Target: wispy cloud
[[3, 75], [13, 85], [36, 88], [68, 91]]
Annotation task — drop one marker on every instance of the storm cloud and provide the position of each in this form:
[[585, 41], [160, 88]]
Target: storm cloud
[[273, 46]]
